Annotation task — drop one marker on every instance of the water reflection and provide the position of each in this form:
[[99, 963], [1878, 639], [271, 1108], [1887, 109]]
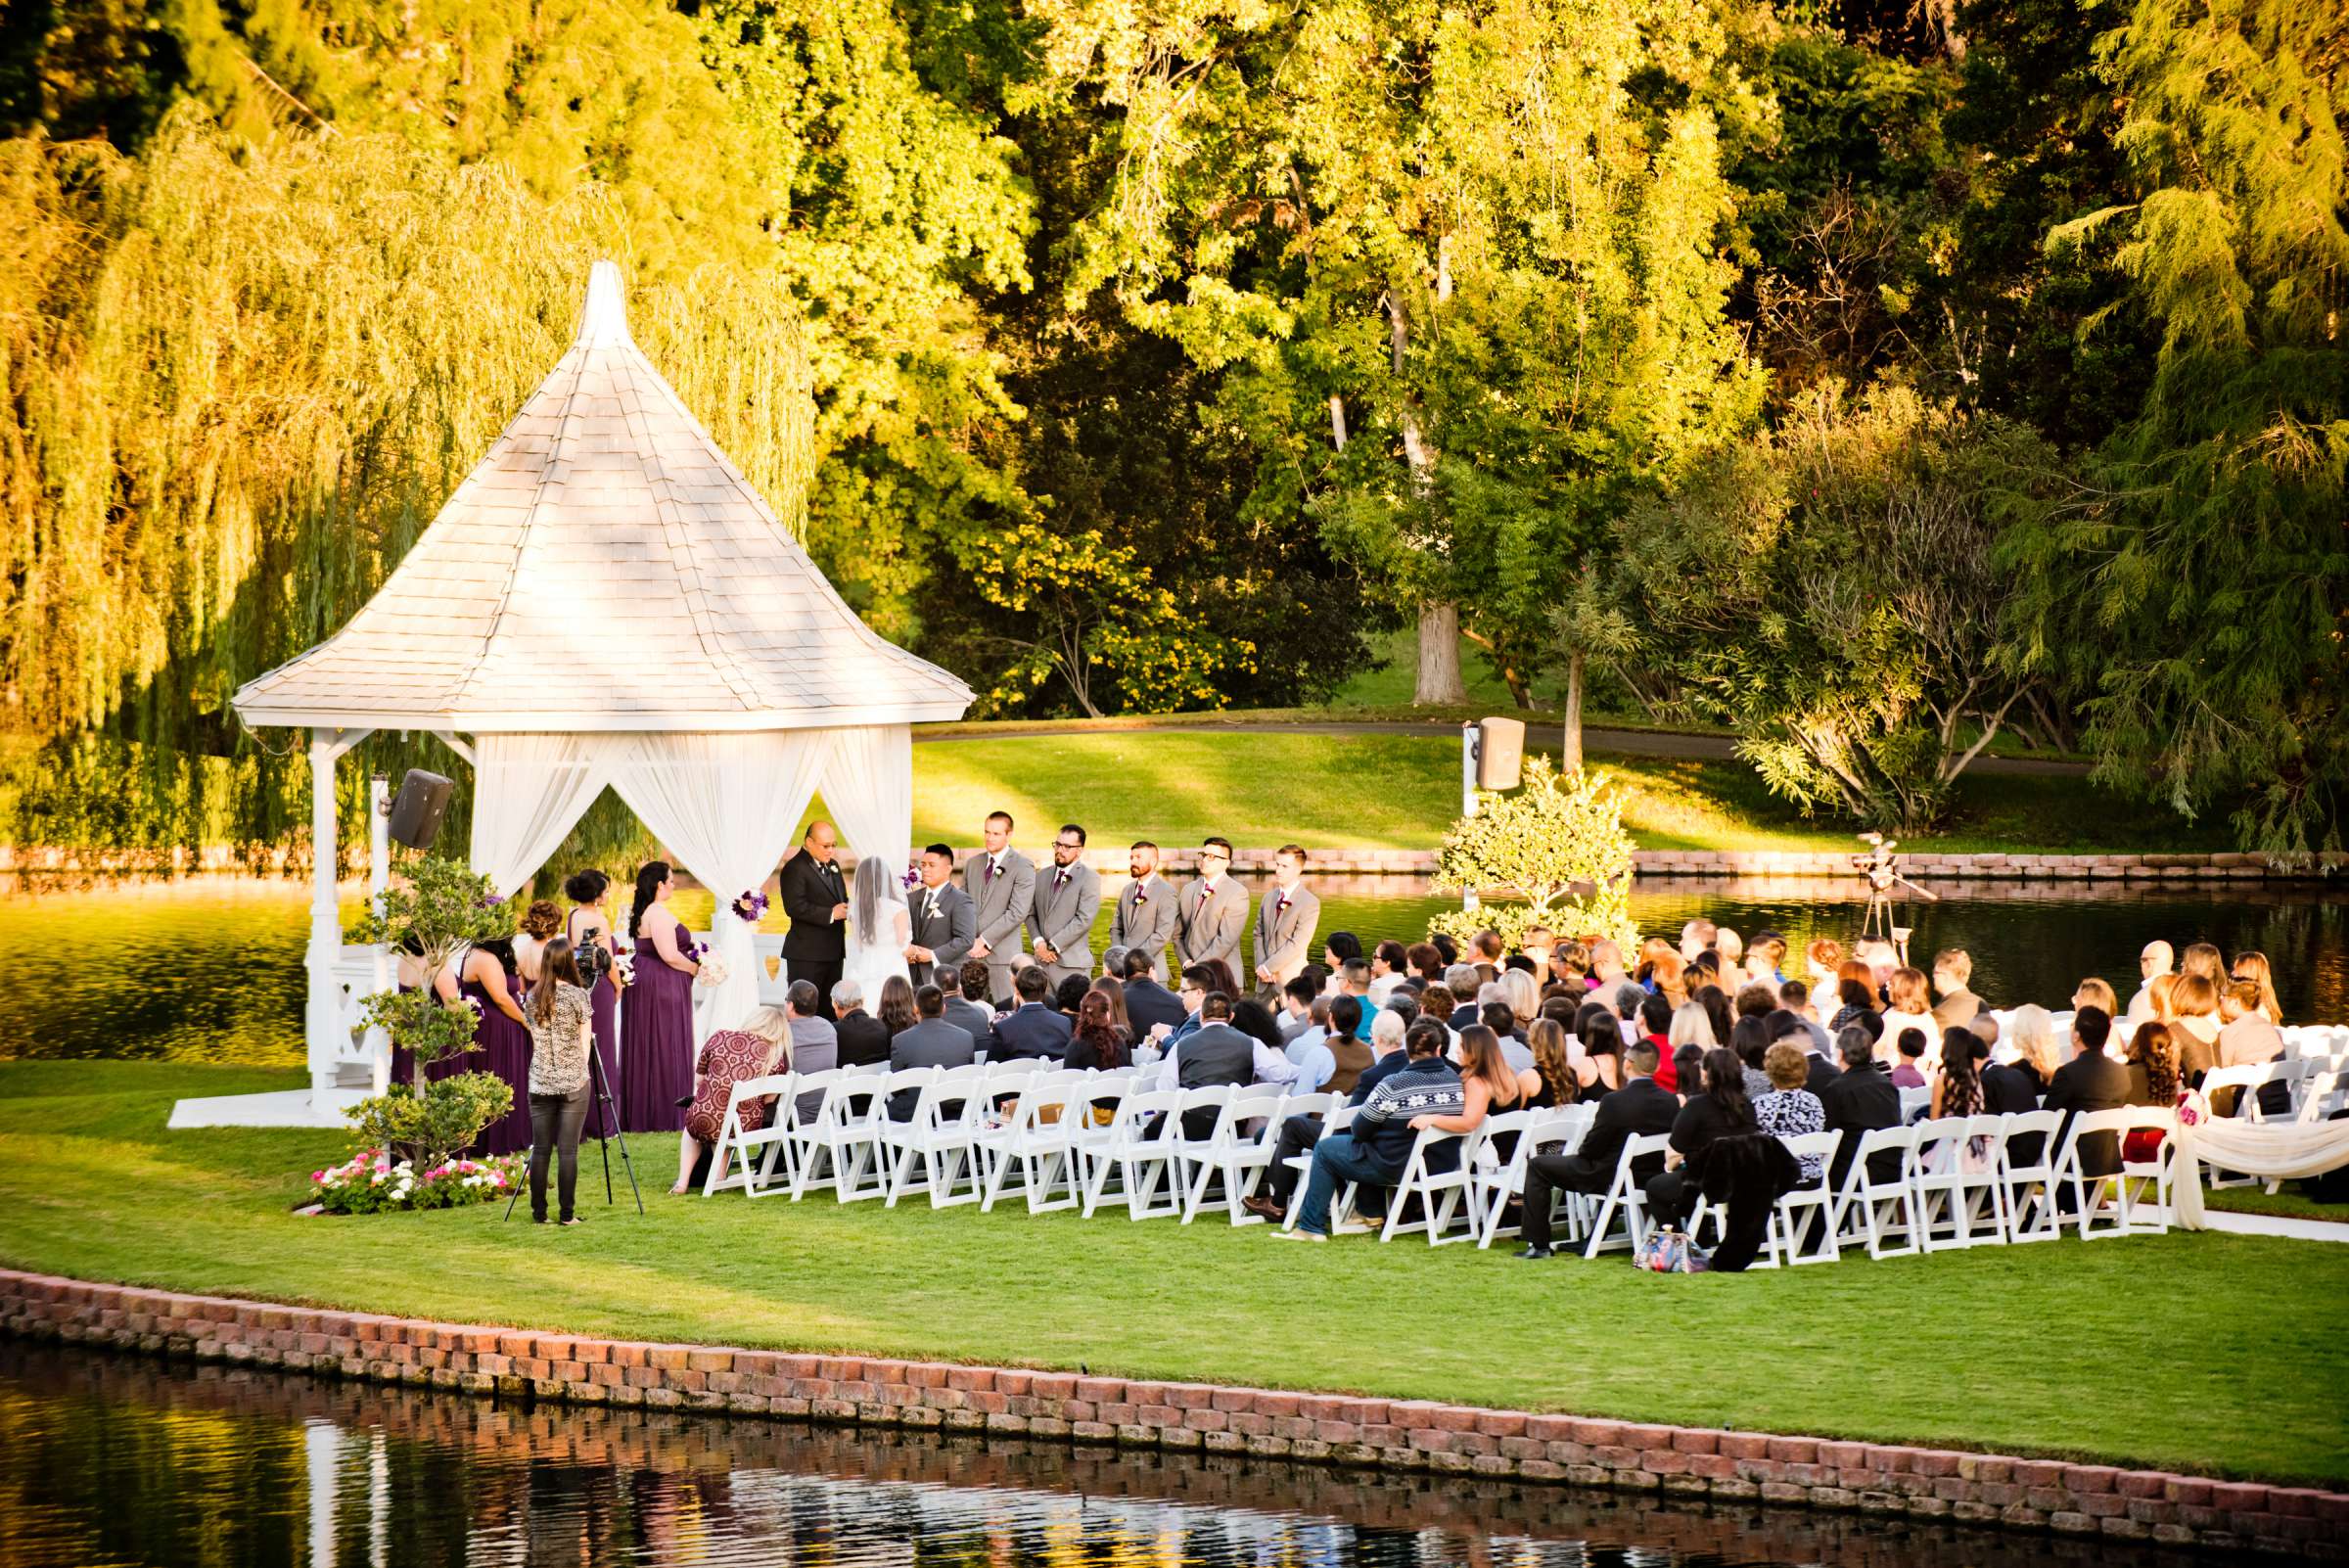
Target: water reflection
[[208, 968], [116, 1460]]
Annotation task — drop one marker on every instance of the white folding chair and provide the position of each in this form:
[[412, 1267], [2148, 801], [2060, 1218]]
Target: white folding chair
[[805, 1128], [1339, 1119], [1883, 1206], [2090, 1193], [937, 1141], [2139, 1177], [1500, 1183], [754, 1150], [1914, 1104], [1140, 1152], [1237, 1152], [851, 1140], [1626, 1195], [1440, 1194], [1037, 1141], [1955, 1188], [2027, 1189], [1091, 1113], [1812, 1201]]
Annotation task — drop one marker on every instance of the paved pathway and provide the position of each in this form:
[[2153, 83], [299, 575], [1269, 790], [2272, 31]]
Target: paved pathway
[[1611, 742], [2273, 1224]]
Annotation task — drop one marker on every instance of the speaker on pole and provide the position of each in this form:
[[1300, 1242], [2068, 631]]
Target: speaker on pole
[[417, 812], [1501, 753]]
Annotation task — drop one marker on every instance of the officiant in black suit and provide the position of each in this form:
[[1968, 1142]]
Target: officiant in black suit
[[943, 921], [814, 896]]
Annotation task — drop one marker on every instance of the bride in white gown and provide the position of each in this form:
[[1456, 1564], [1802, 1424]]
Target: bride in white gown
[[879, 928]]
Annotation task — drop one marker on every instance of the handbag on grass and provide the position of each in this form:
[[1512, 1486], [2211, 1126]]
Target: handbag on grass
[[1669, 1251]]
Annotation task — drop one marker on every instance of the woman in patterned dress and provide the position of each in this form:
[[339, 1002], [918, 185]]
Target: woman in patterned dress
[[729, 1056]]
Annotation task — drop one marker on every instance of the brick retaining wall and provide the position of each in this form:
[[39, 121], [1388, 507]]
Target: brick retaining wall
[[2073, 1499]]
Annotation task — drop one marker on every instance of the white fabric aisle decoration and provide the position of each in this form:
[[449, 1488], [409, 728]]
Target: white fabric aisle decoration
[[2283, 1151], [727, 806], [868, 785], [528, 791]]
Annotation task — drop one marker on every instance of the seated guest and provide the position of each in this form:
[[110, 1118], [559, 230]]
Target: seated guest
[[1033, 1028], [1069, 995], [1784, 1026], [1822, 966], [930, 1042], [1555, 1079], [1599, 1070], [1957, 1087], [1794, 997], [1639, 1108], [1488, 1086], [2254, 968], [1523, 996], [1341, 949], [1789, 1109], [1608, 972], [1856, 993], [1297, 1000], [729, 1056], [1098, 1041], [1254, 1019], [2089, 1081], [1354, 980], [815, 1042], [1909, 1073], [974, 1020], [2095, 992], [2158, 958], [1217, 1053], [1404, 1005], [1336, 1052], [2030, 1036], [1501, 1019], [1909, 1003], [2154, 1078], [1148, 1004], [1437, 1002], [1766, 958], [2248, 1036], [1113, 992], [1749, 1037], [1570, 966], [1427, 961], [2007, 1087], [1754, 1001], [1463, 981], [864, 1039], [1655, 1027], [895, 1011], [1720, 1110], [1373, 1151], [1388, 964], [1952, 975], [1858, 1101], [2194, 1036]]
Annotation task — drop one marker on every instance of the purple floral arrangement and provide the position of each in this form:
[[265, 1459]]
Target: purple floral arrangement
[[914, 873], [751, 905]]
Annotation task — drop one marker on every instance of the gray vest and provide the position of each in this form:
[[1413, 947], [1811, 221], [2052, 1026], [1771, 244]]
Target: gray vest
[[1217, 1054]]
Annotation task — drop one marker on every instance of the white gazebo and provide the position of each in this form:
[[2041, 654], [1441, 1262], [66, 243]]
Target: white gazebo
[[604, 601]]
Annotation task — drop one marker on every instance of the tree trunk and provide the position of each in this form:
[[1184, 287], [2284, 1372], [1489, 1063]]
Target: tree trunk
[[1570, 743], [1440, 656]]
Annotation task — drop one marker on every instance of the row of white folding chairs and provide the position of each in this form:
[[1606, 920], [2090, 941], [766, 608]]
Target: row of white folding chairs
[[1959, 1182]]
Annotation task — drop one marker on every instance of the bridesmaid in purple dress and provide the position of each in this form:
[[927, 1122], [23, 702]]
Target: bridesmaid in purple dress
[[655, 1012], [590, 923], [501, 1039]]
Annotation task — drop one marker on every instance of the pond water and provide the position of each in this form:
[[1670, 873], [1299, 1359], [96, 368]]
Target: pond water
[[119, 1460], [208, 968]]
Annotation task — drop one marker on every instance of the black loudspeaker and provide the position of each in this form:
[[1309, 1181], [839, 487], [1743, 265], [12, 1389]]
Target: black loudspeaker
[[417, 812]]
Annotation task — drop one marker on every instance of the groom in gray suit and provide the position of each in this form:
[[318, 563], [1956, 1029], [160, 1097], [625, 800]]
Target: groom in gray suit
[[1060, 929], [1212, 912], [943, 923], [1001, 884], [1284, 924], [1145, 917]]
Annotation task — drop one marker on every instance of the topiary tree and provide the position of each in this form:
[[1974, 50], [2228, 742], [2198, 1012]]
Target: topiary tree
[[1558, 843]]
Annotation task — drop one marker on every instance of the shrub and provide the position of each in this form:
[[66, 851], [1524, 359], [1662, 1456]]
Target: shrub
[[1558, 843], [429, 1124], [371, 1181]]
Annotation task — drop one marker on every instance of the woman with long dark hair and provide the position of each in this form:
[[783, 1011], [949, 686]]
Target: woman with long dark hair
[[487, 975], [1598, 1068], [589, 925], [1098, 1041], [656, 1012], [894, 1006], [1722, 1110], [562, 1026]]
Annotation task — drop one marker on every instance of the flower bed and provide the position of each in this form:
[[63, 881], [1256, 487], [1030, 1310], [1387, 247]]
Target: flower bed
[[372, 1182]]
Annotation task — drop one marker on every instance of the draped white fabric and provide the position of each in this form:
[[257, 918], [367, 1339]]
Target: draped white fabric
[[868, 785], [2278, 1150], [528, 791], [727, 806]]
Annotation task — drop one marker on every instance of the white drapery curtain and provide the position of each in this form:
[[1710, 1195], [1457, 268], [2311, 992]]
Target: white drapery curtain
[[528, 791], [2280, 1151], [727, 806], [868, 784]]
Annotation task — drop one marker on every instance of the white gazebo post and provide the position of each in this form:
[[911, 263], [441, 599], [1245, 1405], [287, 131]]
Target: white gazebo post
[[378, 882], [323, 1019]]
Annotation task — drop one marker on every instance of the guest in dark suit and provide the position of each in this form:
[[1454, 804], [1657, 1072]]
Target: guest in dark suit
[[931, 1041], [942, 921], [1859, 1100], [1148, 1003], [814, 896], [1721, 1111], [1785, 1024], [864, 1039], [1033, 1027], [1639, 1107], [2005, 1090], [973, 1018], [2089, 1081]]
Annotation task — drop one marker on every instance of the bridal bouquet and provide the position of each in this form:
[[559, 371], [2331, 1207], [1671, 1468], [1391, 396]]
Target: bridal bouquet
[[623, 967], [750, 906], [714, 970]]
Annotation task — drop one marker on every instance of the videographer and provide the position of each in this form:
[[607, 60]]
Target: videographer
[[558, 1021]]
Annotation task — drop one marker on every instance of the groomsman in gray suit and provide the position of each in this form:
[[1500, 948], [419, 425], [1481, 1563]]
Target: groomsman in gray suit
[[1213, 912], [1284, 924], [1060, 929], [944, 922], [1001, 884], [1146, 916]]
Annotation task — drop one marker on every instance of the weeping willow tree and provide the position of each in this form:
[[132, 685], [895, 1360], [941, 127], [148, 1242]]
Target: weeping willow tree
[[242, 377]]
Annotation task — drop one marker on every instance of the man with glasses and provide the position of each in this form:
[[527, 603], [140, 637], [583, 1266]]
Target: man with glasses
[[1060, 928], [1001, 884], [1213, 912]]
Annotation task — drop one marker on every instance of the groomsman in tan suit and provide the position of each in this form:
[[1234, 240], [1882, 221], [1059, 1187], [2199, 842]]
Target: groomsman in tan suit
[[1060, 929], [1144, 921], [1212, 912], [1001, 884], [1284, 923]]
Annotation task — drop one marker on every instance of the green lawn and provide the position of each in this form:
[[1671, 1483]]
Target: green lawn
[[1403, 791], [2213, 1353]]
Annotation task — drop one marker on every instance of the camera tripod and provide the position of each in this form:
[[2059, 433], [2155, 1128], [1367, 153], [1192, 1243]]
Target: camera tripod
[[1882, 869], [607, 1129]]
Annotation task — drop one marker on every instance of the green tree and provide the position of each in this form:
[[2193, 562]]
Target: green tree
[[1558, 846], [2196, 592]]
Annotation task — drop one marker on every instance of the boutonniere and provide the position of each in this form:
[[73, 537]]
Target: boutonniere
[[991, 872], [1284, 902], [1140, 897]]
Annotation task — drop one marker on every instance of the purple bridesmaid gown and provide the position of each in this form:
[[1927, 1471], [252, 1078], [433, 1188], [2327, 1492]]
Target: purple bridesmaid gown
[[503, 1047], [604, 1007], [656, 1059]]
